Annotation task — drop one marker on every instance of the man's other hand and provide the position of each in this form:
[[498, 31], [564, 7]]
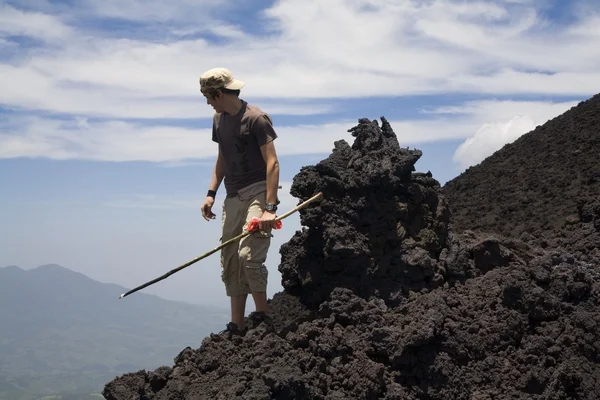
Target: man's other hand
[[207, 208]]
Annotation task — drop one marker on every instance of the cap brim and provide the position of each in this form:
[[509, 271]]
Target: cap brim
[[235, 85]]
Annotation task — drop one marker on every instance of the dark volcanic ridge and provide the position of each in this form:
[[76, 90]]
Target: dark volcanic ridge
[[382, 300], [538, 184]]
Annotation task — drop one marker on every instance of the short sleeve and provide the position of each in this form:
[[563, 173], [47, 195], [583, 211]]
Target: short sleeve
[[215, 129], [263, 129]]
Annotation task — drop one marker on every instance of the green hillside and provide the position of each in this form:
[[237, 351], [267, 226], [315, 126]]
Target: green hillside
[[62, 332]]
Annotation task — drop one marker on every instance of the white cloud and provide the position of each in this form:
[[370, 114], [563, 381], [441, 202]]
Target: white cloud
[[342, 49], [15, 22], [514, 82], [38, 92], [154, 10], [491, 137], [502, 110], [6, 43], [126, 141], [588, 28]]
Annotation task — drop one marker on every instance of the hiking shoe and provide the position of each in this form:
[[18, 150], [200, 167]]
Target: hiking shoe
[[232, 329], [257, 318]]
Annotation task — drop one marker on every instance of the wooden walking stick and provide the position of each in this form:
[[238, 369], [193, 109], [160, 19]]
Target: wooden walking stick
[[240, 236]]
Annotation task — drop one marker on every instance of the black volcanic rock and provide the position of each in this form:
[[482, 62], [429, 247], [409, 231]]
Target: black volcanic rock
[[382, 300], [536, 183], [378, 231]]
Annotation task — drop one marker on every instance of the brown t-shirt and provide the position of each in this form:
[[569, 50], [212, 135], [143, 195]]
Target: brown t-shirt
[[240, 137]]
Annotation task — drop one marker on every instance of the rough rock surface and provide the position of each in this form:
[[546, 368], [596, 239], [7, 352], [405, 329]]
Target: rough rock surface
[[536, 183], [383, 301], [379, 230], [580, 237]]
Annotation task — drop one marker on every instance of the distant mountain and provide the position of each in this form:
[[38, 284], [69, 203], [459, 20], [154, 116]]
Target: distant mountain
[[62, 332]]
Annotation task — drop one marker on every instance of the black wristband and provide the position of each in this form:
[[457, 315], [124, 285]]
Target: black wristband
[[211, 193]]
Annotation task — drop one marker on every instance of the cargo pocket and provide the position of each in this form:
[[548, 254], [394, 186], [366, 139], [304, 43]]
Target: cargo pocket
[[257, 276], [253, 255]]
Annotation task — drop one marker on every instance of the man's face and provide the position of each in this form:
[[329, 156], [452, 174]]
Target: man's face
[[215, 102]]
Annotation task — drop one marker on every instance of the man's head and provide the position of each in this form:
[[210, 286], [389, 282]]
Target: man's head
[[219, 86]]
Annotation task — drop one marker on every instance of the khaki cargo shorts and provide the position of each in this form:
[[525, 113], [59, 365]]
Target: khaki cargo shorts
[[243, 267]]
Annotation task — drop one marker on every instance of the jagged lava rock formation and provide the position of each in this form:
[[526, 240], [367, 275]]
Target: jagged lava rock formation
[[383, 301], [380, 229]]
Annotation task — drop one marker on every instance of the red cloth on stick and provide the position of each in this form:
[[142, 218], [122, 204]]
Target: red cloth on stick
[[253, 224]]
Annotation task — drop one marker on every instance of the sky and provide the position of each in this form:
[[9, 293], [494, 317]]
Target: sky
[[105, 150]]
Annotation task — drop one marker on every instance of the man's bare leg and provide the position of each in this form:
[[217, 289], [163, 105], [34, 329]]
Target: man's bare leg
[[238, 309], [260, 301]]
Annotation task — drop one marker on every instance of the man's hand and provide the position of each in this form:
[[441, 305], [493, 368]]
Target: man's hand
[[207, 208], [267, 221]]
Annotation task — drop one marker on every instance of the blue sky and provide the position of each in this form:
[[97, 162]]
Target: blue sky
[[105, 151]]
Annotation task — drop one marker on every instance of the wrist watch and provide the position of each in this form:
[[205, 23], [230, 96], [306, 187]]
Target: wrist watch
[[271, 207]]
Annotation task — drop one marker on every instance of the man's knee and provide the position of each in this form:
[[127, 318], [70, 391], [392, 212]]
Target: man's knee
[[235, 285]]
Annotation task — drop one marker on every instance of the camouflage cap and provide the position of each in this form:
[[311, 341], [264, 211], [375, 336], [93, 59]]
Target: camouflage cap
[[219, 78]]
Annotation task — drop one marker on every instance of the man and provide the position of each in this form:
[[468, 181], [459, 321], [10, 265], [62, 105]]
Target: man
[[248, 164]]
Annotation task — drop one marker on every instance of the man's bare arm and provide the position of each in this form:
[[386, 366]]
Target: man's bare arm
[[218, 173], [270, 156]]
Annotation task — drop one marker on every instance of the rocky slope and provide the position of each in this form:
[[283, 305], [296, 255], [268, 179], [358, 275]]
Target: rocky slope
[[383, 300], [543, 188], [535, 184]]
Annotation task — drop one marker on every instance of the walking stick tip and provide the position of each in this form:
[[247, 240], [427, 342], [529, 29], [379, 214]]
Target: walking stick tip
[[121, 296]]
